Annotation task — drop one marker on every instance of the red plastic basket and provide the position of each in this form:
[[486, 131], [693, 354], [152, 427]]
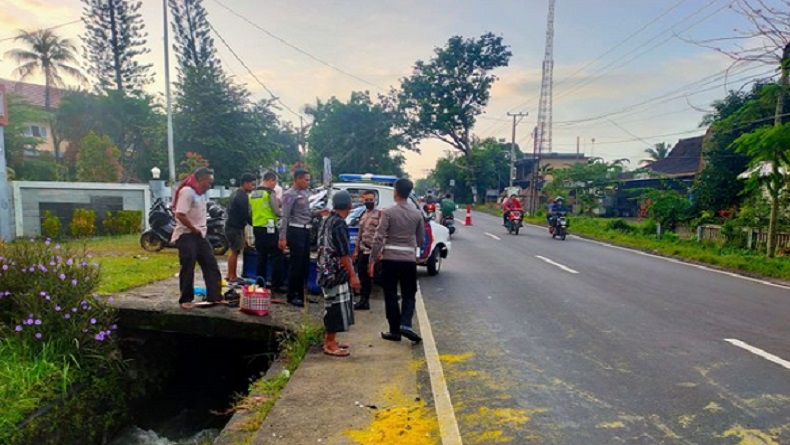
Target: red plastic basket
[[256, 302]]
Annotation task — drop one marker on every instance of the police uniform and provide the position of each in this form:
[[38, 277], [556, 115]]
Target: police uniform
[[295, 229], [265, 222]]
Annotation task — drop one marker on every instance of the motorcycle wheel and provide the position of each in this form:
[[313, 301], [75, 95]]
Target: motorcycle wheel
[[434, 263], [562, 237], [220, 244], [150, 242], [517, 229]]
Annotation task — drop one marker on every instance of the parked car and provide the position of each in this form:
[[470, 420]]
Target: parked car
[[436, 246]]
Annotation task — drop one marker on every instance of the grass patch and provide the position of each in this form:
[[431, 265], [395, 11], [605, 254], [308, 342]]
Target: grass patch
[[264, 393], [124, 264], [30, 375]]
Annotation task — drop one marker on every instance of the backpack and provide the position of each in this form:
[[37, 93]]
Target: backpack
[[330, 272]]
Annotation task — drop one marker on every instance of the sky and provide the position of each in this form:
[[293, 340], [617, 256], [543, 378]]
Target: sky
[[627, 73]]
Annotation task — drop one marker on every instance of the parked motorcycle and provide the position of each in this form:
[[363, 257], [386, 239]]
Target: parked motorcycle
[[162, 222], [559, 226], [449, 222], [514, 221]]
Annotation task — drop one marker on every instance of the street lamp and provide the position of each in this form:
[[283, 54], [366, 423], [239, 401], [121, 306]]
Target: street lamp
[[155, 172]]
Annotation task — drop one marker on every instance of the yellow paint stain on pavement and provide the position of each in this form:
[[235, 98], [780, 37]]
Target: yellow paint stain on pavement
[[768, 402], [493, 423], [455, 358], [750, 437], [610, 425], [685, 421], [713, 407], [416, 365], [405, 422]]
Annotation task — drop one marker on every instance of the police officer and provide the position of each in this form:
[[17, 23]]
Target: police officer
[[295, 235], [265, 225]]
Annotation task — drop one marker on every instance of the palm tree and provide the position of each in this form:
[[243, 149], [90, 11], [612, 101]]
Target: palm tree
[[657, 153], [45, 53]]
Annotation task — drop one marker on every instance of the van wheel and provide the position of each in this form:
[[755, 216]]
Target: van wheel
[[434, 263]]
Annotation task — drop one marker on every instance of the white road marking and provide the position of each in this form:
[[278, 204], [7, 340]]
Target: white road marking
[[757, 351], [448, 425], [554, 263], [493, 236]]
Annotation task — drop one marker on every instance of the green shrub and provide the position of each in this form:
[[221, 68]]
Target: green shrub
[[83, 223], [671, 237], [620, 226], [124, 222], [649, 227], [50, 225], [734, 235]]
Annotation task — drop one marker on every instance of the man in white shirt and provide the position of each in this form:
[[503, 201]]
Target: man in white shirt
[[190, 237]]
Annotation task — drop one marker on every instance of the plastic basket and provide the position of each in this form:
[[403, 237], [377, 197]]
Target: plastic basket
[[255, 302]]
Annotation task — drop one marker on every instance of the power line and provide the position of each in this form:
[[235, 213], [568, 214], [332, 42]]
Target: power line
[[300, 50], [249, 71], [5, 39], [671, 28]]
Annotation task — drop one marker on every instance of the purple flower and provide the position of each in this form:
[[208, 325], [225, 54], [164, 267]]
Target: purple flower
[[47, 298], [114, 327], [29, 315], [69, 262], [99, 336], [5, 266], [47, 241], [84, 330], [57, 246], [18, 328], [57, 308], [67, 316], [73, 282], [38, 322], [73, 309], [38, 335], [111, 299], [62, 277], [52, 263], [42, 268], [32, 269], [93, 321], [42, 293]]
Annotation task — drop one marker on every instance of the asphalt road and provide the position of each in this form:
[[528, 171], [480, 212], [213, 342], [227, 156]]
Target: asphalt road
[[573, 342]]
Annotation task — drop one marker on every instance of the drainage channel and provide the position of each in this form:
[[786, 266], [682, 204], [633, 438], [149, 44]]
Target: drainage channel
[[190, 385]]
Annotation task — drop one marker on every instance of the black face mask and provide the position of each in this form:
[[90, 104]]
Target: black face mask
[[370, 205]]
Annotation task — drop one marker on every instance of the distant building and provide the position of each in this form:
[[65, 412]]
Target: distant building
[[34, 95], [675, 172], [526, 166]]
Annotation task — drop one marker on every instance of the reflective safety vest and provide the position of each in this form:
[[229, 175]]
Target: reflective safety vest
[[262, 210]]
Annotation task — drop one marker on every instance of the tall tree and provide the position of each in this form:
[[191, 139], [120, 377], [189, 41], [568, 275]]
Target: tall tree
[[443, 97], [113, 42], [358, 136], [717, 187], [657, 152], [46, 53], [214, 116]]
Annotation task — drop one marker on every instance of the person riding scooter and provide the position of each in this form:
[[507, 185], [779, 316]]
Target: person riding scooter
[[556, 208], [510, 205]]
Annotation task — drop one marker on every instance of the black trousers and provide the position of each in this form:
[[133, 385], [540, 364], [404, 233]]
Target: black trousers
[[196, 249], [363, 260], [299, 245], [403, 273], [267, 249]]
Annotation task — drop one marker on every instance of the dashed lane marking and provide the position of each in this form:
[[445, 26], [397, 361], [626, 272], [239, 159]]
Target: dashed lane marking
[[448, 425], [757, 351], [554, 263]]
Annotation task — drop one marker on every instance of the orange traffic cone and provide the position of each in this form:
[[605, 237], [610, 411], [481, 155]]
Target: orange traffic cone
[[468, 221]]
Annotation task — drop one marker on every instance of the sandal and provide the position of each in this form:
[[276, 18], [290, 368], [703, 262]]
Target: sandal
[[343, 345], [337, 352], [186, 306]]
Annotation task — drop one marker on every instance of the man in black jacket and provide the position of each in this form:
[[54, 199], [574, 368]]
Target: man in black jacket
[[239, 217]]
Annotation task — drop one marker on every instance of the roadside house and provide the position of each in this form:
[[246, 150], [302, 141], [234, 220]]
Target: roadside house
[[34, 95]]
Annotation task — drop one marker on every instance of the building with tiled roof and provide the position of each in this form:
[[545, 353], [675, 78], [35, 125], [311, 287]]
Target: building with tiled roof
[[35, 95]]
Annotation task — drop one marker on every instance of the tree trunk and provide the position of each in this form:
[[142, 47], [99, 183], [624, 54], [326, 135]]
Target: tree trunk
[[115, 51], [471, 178]]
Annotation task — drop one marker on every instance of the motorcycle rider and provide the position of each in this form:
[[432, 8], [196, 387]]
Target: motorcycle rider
[[510, 205], [556, 208], [448, 206]]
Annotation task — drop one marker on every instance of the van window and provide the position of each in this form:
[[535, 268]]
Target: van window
[[356, 193]]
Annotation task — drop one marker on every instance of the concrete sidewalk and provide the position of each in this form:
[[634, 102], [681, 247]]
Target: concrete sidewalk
[[370, 397]]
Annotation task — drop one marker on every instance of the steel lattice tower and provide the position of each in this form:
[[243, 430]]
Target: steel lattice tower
[[543, 139]]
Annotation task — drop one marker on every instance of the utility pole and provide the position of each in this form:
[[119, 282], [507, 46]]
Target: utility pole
[[513, 145], [171, 160], [533, 197]]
